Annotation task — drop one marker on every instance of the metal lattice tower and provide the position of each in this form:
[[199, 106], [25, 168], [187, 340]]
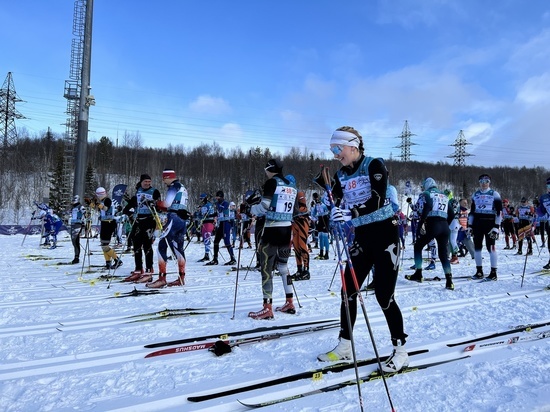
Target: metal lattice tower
[[72, 94], [460, 150], [8, 113], [406, 143]]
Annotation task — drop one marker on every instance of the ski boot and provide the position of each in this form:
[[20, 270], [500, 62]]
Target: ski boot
[[449, 282], [135, 275], [159, 283], [206, 258], [116, 263], [398, 360], [263, 314], [479, 273], [147, 277], [431, 266], [180, 281], [342, 351], [416, 276], [304, 275], [492, 274], [288, 307]]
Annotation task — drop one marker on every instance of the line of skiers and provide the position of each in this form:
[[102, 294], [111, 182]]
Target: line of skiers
[[363, 217]]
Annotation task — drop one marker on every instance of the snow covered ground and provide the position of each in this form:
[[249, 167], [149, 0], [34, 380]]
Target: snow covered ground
[[71, 343]]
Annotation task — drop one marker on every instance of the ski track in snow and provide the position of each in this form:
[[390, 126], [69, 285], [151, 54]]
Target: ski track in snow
[[68, 343]]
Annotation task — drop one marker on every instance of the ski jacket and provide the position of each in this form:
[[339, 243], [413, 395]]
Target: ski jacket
[[362, 188]]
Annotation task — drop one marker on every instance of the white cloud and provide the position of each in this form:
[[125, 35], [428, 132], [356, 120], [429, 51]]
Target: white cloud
[[535, 90], [206, 104], [533, 56]]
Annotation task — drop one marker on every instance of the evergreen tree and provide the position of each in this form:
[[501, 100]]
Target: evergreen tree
[[91, 183], [56, 185]]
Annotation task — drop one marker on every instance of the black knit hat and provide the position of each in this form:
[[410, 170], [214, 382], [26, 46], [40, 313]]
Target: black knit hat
[[219, 193], [274, 166], [143, 177]]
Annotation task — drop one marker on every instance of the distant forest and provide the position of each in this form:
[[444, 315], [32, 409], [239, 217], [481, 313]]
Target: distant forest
[[30, 171]]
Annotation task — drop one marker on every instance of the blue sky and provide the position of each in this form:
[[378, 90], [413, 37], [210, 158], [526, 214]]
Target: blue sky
[[286, 73]]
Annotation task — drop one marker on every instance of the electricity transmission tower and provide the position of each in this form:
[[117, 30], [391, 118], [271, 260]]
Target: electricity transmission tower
[[8, 113], [460, 150], [406, 143]]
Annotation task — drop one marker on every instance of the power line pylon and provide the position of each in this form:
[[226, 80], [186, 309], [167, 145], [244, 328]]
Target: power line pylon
[[406, 143], [460, 150], [8, 113]]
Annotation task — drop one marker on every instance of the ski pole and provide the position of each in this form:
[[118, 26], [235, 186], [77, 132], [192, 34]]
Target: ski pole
[[295, 293], [350, 326], [237, 277], [248, 267], [524, 267], [28, 227], [345, 297], [126, 246], [333, 276]]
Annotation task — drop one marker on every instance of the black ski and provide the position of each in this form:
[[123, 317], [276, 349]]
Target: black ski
[[315, 373], [515, 329], [135, 292], [237, 333], [375, 375]]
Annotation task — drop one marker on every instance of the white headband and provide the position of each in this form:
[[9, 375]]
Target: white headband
[[344, 138]]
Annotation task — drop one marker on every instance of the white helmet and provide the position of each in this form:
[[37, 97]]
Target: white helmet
[[100, 192]]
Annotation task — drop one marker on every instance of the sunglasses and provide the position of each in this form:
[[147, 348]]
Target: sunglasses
[[337, 149], [484, 181]]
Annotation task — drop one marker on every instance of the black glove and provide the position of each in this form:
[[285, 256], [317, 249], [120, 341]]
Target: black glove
[[493, 233], [321, 181], [184, 214], [409, 200], [254, 199], [220, 348]]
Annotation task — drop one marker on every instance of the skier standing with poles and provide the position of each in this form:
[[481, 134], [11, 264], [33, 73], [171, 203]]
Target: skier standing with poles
[[359, 191], [142, 234], [544, 210], [278, 205]]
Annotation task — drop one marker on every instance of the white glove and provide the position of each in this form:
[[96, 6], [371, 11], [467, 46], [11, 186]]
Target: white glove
[[339, 215], [422, 230], [493, 233]]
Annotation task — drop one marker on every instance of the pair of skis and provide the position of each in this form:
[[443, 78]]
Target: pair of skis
[[474, 343]]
